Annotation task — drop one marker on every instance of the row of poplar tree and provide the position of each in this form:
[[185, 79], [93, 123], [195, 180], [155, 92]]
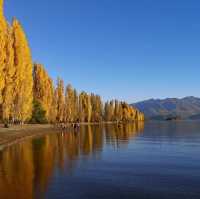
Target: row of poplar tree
[[65, 104], [27, 92]]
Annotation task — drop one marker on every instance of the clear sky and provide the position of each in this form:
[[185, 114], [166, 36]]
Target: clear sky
[[126, 49]]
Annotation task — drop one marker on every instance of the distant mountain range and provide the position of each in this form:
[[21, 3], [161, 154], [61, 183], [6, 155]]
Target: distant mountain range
[[185, 108]]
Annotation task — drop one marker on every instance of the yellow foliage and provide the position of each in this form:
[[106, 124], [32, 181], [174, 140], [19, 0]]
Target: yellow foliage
[[121, 111], [3, 32], [43, 89], [60, 100], [8, 97], [23, 76], [19, 84], [85, 107]]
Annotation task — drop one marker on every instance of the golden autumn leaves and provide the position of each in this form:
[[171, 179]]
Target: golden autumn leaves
[[3, 38], [65, 105], [16, 80], [21, 81]]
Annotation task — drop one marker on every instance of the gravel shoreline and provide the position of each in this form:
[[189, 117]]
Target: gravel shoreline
[[16, 134]]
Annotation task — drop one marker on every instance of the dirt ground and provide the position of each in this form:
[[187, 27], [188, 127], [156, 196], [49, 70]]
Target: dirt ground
[[14, 134]]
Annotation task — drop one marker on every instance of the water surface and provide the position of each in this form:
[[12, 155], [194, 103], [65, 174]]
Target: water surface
[[155, 160]]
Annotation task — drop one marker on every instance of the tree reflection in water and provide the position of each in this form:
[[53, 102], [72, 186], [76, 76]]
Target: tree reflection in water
[[27, 168]]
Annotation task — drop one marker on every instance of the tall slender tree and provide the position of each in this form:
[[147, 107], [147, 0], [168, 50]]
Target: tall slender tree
[[9, 72], [43, 89], [69, 104], [23, 76], [97, 108], [3, 32], [85, 107], [60, 100], [76, 106]]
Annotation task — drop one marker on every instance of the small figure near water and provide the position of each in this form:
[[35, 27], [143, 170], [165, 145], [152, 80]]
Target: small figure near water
[[76, 126], [6, 125]]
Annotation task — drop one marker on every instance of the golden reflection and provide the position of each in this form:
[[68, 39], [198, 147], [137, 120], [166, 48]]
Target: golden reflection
[[26, 169], [17, 172], [118, 135]]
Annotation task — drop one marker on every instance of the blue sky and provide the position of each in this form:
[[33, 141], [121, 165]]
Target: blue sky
[[126, 49]]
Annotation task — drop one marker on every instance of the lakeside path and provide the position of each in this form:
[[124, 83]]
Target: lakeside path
[[16, 134]]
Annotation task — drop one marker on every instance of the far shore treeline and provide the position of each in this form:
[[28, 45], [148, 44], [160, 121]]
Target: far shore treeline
[[27, 93]]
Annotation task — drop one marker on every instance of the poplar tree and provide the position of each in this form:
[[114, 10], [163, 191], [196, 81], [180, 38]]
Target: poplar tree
[[110, 111], [88, 108], [117, 111], [53, 110], [60, 100], [3, 31], [69, 104], [43, 88], [85, 107], [106, 112], [76, 106], [23, 76], [121, 112], [9, 72], [97, 108]]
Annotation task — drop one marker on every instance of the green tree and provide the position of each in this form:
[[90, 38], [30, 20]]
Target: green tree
[[38, 114]]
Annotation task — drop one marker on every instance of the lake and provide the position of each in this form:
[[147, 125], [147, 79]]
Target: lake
[[151, 160]]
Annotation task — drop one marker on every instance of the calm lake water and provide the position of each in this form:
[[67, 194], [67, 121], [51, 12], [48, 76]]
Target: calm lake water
[[155, 160]]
